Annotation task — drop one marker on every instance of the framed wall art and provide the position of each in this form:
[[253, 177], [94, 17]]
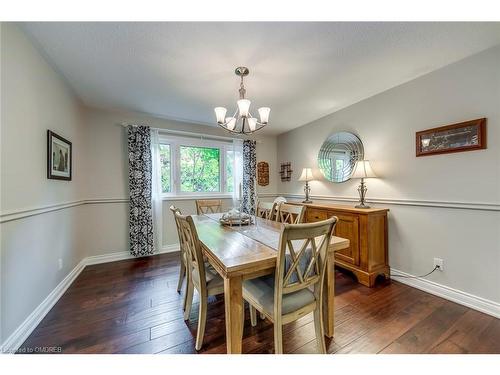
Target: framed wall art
[[59, 157], [263, 173], [286, 171], [464, 136]]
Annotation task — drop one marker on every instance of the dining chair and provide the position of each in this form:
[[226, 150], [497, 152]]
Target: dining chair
[[287, 296], [182, 272], [208, 206], [266, 210], [290, 213], [200, 275]]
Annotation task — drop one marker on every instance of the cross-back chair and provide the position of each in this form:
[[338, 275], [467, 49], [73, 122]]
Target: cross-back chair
[[182, 272], [208, 206], [290, 213], [201, 276], [286, 296], [266, 210]]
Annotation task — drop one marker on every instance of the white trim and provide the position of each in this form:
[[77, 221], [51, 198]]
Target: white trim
[[11, 215], [27, 212], [16, 339], [483, 206], [122, 255], [196, 196], [474, 302]]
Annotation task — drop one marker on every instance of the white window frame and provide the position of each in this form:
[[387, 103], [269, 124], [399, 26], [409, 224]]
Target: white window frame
[[175, 143]]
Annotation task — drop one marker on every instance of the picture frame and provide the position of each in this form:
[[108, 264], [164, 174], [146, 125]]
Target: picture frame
[[286, 171], [263, 173], [459, 137], [59, 157]]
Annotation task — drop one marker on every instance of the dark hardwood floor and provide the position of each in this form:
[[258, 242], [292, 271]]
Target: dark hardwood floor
[[132, 306]]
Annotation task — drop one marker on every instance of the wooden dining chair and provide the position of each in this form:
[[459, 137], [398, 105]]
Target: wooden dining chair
[[266, 210], [286, 296], [290, 213], [208, 206], [200, 275], [182, 272]]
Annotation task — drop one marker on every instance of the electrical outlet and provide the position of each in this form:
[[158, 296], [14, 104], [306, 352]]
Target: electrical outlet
[[60, 264], [438, 262]]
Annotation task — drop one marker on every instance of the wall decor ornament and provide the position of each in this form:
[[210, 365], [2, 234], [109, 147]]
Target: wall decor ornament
[[263, 173], [59, 157], [286, 171], [463, 136]]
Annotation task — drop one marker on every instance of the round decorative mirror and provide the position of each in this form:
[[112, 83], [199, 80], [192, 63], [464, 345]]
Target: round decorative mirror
[[338, 155]]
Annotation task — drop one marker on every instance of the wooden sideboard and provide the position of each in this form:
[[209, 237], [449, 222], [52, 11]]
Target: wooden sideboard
[[367, 255]]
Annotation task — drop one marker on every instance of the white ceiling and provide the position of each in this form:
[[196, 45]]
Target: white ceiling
[[303, 71]]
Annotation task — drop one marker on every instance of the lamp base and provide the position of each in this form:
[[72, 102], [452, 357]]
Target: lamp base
[[362, 205], [307, 201]]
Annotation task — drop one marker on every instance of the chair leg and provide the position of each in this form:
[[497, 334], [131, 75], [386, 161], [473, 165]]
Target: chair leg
[[318, 326], [278, 337], [202, 319], [253, 315], [182, 273], [189, 298]]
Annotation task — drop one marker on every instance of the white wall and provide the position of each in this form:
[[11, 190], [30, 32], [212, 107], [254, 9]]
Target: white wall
[[468, 240], [33, 99], [107, 171]]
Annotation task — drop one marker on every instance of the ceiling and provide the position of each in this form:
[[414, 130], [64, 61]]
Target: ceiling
[[303, 71]]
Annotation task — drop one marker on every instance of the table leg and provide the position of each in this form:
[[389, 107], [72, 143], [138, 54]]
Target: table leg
[[233, 299], [328, 296]]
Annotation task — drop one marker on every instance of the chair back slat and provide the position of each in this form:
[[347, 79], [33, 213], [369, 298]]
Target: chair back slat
[[266, 210], [302, 254], [290, 213], [192, 247], [208, 206]]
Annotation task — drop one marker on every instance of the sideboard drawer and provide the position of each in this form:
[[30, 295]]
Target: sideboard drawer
[[313, 215]]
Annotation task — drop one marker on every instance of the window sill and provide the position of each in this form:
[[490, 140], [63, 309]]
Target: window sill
[[194, 197]]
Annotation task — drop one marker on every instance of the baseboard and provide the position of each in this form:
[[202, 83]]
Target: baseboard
[[474, 302], [16, 339], [122, 255]]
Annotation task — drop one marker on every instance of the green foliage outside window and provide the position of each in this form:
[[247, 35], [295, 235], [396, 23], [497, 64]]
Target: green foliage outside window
[[199, 169], [165, 166], [229, 171]]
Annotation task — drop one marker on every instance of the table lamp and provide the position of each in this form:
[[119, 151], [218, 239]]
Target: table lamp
[[362, 170], [306, 176]]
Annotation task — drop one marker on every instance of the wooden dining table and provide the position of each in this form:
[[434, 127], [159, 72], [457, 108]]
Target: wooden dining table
[[245, 252]]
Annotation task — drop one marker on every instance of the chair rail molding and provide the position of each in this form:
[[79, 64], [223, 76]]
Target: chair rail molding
[[22, 213], [11, 215], [482, 206]]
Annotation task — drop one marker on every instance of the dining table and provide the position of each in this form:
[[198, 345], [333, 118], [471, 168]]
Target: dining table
[[241, 252]]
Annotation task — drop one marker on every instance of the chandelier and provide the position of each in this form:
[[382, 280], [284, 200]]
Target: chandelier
[[242, 121]]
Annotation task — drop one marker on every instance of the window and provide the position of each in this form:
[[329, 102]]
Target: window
[[200, 169], [166, 169], [196, 167]]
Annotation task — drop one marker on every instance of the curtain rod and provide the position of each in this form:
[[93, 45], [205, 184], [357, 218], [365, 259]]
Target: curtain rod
[[192, 134]]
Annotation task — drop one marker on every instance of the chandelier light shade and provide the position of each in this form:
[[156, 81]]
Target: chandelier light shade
[[242, 122]]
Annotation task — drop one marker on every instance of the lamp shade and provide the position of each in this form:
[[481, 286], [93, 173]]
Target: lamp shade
[[306, 175], [362, 169], [220, 113]]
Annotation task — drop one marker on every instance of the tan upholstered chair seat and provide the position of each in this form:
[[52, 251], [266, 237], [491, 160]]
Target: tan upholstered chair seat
[[214, 281], [261, 291]]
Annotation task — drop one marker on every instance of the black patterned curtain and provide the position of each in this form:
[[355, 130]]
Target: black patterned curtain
[[139, 177], [249, 172]]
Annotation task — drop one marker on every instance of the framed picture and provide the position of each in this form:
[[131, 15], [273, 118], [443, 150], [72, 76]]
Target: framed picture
[[464, 136], [263, 173], [59, 157]]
